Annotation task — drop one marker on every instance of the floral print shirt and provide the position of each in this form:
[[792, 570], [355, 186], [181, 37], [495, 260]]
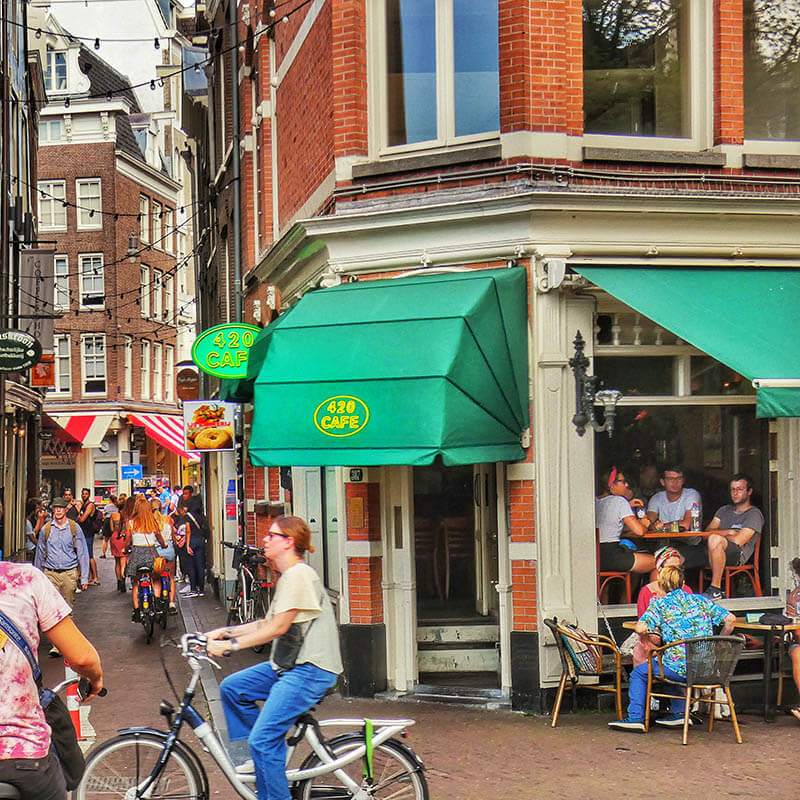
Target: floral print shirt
[[31, 602], [679, 615]]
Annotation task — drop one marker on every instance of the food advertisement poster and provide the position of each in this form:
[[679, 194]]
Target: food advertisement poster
[[208, 425]]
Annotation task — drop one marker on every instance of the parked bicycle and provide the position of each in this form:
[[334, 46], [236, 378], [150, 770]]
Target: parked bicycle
[[363, 764], [153, 600], [252, 594]]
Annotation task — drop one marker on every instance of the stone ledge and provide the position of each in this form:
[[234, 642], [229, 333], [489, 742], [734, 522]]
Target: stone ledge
[[427, 161], [704, 158], [771, 161]]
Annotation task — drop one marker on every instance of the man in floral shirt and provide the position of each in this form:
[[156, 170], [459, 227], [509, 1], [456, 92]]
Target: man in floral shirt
[[31, 602], [675, 616]]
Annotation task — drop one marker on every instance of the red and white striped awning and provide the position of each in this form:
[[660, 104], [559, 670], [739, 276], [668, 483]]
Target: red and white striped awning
[[88, 429], [164, 429]]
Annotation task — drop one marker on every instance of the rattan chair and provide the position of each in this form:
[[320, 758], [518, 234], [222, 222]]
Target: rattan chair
[[710, 662], [582, 656]]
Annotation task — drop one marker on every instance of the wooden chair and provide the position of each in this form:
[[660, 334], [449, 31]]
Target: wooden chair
[[604, 577], [710, 662], [582, 656], [428, 549], [459, 545], [750, 569]]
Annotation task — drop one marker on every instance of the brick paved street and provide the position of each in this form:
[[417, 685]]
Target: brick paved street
[[469, 754]]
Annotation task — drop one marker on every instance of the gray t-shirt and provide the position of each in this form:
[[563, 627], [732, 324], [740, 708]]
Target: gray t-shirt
[[300, 588], [730, 519], [609, 511]]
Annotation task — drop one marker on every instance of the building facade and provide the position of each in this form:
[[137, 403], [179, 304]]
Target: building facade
[[636, 163]]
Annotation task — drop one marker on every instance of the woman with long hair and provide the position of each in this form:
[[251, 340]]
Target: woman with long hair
[[120, 540], [168, 551], [145, 531]]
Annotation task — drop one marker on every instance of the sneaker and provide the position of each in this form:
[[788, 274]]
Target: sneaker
[[78, 590], [190, 594], [672, 721], [173, 609], [627, 724], [54, 652], [185, 590], [796, 712], [714, 593], [199, 594], [136, 615], [247, 768]]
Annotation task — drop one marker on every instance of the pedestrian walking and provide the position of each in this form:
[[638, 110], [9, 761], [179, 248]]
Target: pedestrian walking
[[195, 531], [87, 515], [111, 507], [121, 540], [168, 551]]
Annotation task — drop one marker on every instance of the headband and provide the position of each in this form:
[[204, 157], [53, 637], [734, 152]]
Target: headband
[[612, 476]]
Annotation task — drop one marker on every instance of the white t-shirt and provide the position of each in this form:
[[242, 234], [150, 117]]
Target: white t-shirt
[[609, 511], [674, 511], [300, 588]]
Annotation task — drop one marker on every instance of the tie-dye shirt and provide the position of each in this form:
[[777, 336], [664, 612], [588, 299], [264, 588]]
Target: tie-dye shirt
[[31, 602], [679, 615]]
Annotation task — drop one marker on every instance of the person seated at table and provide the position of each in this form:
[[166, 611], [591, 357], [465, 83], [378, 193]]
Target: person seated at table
[[735, 527], [675, 616], [793, 610], [614, 514], [665, 557]]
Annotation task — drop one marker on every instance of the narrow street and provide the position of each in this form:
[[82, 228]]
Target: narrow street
[[469, 754]]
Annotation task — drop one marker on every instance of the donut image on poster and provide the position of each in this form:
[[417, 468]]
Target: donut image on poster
[[209, 425]]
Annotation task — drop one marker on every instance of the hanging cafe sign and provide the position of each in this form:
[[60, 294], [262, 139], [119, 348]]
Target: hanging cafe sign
[[222, 350], [18, 350]]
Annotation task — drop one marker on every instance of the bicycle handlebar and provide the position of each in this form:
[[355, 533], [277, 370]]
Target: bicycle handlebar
[[194, 647]]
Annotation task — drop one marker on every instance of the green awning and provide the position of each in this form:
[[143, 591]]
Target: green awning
[[745, 318], [395, 371]]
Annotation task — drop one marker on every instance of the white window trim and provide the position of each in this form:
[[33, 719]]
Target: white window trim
[[158, 371], [157, 302], [144, 221], [377, 89], [47, 186], [84, 337], [168, 230], [64, 259], [144, 290], [81, 304], [700, 78], [157, 228], [144, 391], [169, 373], [169, 300], [54, 391], [127, 385], [96, 222], [53, 52]]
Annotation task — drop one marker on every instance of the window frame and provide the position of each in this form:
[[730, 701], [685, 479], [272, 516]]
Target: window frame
[[82, 258], [144, 290], [157, 225], [127, 385], [47, 125], [158, 371], [377, 88], [169, 230], [169, 373], [169, 299], [85, 337], [50, 70], [84, 221], [59, 362], [61, 282], [156, 303], [144, 219], [49, 186], [144, 376]]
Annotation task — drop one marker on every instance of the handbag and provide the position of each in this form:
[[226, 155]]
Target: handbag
[[63, 735], [287, 647]]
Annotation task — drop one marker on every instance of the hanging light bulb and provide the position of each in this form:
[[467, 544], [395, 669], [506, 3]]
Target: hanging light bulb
[[197, 68], [38, 33], [97, 43], [156, 43], [285, 19], [66, 103], [153, 85]]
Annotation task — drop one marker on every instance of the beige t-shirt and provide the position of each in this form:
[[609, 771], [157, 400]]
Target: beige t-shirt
[[300, 588]]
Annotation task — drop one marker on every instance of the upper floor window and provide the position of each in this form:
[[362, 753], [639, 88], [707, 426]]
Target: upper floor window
[[157, 220], [169, 230], [94, 363], [92, 280], [62, 364], [50, 131], [441, 78], [169, 299], [157, 294], [128, 366], [144, 289], [771, 69], [145, 376], [89, 197], [158, 380], [55, 70], [169, 372], [144, 219], [635, 68], [61, 289], [52, 208]]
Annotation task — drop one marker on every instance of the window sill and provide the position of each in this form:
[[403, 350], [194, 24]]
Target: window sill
[[707, 158], [771, 161], [444, 158]]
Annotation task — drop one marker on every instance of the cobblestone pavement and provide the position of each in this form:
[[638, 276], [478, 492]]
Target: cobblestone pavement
[[470, 754]]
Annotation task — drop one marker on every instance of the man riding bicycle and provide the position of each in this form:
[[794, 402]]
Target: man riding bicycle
[[305, 659]]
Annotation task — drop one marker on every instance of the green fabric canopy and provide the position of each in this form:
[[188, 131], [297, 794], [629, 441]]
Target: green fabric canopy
[[745, 318], [395, 371]]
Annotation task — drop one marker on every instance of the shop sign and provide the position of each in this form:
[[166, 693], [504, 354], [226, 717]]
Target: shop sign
[[187, 384], [44, 373], [45, 435], [341, 415], [208, 425], [222, 351], [18, 350]]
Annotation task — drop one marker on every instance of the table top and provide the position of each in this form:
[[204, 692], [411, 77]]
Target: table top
[[740, 624], [679, 535]]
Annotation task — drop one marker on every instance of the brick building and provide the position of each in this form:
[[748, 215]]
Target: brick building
[[111, 209], [638, 165]]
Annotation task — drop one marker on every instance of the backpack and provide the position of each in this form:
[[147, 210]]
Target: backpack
[[97, 521], [73, 526]]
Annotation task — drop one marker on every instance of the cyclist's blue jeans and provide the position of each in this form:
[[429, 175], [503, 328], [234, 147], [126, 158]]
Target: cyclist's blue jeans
[[285, 697], [637, 692]]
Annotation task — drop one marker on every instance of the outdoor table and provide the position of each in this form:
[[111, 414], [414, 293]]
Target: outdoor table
[[678, 535]]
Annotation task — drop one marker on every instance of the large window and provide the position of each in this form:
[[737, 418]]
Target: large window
[[169, 299], [158, 215], [92, 280], [145, 394], [169, 230], [49, 131], [61, 289], [772, 69], [89, 203], [635, 74], [169, 372], [157, 294], [144, 290], [55, 70], [63, 364], [441, 73], [128, 358], [52, 208], [158, 375], [93, 346]]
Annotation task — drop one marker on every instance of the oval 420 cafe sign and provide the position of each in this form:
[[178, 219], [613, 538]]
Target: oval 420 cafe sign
[[222, 350], [18, 350]]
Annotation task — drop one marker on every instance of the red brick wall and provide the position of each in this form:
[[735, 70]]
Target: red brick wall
[[349, 52], [366, 597], [523, 573], [729, 72]]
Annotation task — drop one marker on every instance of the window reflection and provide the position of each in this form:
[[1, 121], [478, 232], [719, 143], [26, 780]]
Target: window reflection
[[772, 69], [633, 61]]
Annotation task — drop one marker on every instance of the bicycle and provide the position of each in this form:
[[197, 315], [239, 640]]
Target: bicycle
[[252, 594], [363, 764], [153, 606]]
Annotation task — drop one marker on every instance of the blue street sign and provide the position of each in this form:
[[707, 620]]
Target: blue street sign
[[131, 472]]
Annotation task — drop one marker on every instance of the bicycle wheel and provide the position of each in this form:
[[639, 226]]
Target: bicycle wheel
[[260, 604], [118, 766], [235, 611], [395, 773], [147, 624]]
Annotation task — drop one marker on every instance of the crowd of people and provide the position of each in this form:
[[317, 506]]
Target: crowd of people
[[625, 524]]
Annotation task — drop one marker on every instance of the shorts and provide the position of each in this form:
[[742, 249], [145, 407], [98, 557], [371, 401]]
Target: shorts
[[167, 552], [734, 555], [89, 544], [615, 557]]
